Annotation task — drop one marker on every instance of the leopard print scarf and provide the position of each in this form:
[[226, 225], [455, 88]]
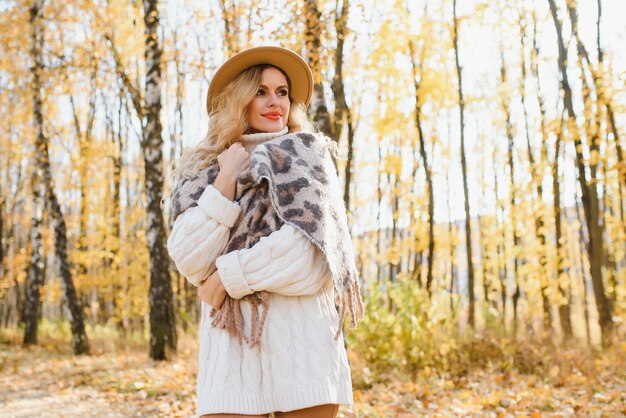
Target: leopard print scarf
[[291, 179]]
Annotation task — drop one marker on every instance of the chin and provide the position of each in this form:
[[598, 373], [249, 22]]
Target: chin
[[271, 127]]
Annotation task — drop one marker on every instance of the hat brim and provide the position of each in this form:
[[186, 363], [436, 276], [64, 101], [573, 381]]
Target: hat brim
[[298, 71]]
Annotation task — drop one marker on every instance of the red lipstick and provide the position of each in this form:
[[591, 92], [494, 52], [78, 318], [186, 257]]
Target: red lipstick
[[272, 115]]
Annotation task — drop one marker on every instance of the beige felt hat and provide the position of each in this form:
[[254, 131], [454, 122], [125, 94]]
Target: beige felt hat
[[297, 70]]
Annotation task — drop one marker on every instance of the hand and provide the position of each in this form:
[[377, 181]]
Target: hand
[[233, 160], [212, 291]]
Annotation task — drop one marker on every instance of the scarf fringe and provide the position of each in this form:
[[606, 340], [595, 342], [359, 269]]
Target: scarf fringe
[[352, 297], [230, 318]]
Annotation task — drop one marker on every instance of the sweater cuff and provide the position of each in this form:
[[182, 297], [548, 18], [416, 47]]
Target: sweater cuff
[[232, 275], [216, 206]]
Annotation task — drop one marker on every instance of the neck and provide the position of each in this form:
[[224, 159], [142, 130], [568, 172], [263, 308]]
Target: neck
[[252, 140]]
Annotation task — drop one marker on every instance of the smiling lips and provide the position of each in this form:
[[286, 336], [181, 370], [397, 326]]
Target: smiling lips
[[272, 115]]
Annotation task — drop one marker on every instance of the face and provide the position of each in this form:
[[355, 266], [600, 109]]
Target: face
[[269, 110]]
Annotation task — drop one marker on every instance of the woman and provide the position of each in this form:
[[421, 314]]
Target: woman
[[294, 364]]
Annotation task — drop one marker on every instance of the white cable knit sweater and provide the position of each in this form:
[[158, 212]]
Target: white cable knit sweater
[[298, 364]]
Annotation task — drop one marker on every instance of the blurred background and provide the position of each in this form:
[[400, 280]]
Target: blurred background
[[485, 185]]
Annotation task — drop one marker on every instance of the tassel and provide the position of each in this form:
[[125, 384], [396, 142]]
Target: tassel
[[230, 318], [352, 297], [265, 301]]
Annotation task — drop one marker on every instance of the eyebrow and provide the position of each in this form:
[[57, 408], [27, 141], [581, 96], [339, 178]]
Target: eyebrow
[[283, 86]]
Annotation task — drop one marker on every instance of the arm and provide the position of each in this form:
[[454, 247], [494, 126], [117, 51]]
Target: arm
[[284, 262], [200, 234]]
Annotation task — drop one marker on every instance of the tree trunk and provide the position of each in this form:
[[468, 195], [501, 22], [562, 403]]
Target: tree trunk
[[231, 27], [393, 241], [84, 138], [536, 170], [581, 245], [589, 194], [485, 254], [512, 195], [451, 231], [468, 227], [598, 80], [501, 247], [564, 306], [312, 38], [12, 311], [115, 136], [2, 241], [162, 320], [379, 198], [426, 164], [36, 271], [609, 260], [175, 145], [80, 343], [595, 132], [341, 108]]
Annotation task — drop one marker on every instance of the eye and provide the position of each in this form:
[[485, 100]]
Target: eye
[[260, 92], [283, 92]]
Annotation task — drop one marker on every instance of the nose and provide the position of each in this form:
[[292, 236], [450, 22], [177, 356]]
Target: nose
[[272, 99]]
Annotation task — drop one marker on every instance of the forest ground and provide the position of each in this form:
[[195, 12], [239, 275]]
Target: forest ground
[[119, 380]]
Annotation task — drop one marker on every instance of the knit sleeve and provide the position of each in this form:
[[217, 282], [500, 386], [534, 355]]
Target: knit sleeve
[[284, 262], [200, 234]]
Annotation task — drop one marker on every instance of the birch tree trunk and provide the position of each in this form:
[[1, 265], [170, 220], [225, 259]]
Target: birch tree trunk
[[11, 307], [162, 320], [35, 277], [80, 343]]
